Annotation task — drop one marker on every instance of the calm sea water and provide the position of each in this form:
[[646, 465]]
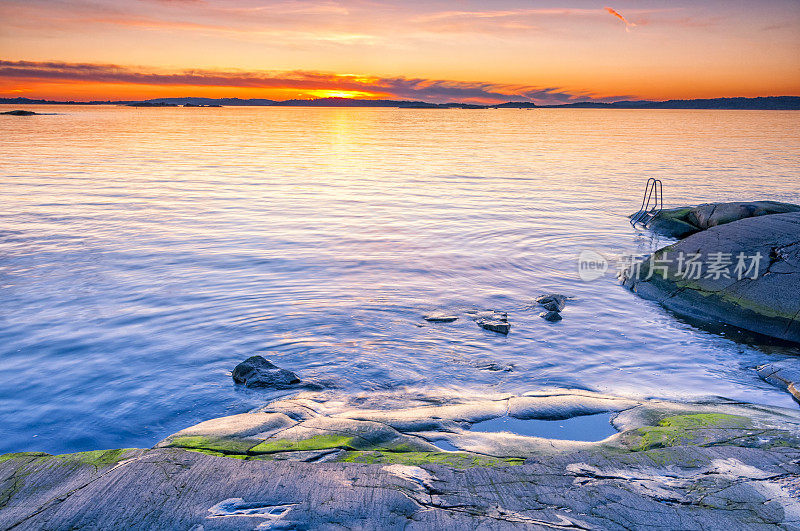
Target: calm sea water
[[144, 252]]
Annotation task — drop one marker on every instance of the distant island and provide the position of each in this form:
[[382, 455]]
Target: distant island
[[760, 103]]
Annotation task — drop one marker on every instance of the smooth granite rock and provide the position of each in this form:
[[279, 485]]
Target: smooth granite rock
[[684, 221], [325, 422], [665, 224], [338, 465], [768, 304]]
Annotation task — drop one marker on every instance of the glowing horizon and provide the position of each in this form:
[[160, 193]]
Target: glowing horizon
[[432, 51]]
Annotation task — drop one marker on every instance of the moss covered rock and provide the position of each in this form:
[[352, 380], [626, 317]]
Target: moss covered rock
[[684, 221]]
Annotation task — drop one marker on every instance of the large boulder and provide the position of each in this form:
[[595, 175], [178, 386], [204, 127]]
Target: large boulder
[[748, 275], [684, 221]]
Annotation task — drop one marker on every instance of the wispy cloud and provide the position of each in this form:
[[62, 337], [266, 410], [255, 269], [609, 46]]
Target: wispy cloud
[[296, 20], [437, 90], [628, 25]]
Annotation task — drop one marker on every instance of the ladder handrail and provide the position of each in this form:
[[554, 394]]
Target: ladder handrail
[[653, 193]]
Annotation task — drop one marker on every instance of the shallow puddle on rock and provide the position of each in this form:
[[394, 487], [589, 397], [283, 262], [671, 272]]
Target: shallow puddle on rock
[[445, 445], [583, 428]]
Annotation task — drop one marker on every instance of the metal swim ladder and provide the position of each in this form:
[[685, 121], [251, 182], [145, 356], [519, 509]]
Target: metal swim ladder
[[652, 203]]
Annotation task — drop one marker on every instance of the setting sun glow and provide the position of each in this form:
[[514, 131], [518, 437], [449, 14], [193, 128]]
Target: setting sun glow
[[467, 51]]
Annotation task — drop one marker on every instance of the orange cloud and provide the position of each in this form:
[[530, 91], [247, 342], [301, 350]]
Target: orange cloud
[[300, 83], [628, 25]]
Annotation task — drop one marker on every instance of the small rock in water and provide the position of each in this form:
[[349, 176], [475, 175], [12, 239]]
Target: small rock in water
[[551, 316], [553, 302], [553, 306], [495, 325], [440, 317], [491, 320], [256, 371]]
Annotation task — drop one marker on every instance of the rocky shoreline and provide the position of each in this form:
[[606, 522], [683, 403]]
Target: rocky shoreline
[[326, 461], [443, 459]]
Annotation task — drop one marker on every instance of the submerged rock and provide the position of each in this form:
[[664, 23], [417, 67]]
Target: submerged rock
[[488, 314], [259, 372], [684, 221], [440, 317], [495, 367], [745, 273], [20, 113], [551, 316]]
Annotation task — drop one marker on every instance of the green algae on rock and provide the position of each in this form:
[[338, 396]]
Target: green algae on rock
[[332, 463], [333, 429], [683, 430], [317, 442], [684, 221]]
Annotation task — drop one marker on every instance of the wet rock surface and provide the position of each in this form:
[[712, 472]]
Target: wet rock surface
[[552, 316], [763, 296], [257, 371], [321, 461], [684, 221], [553, 303], [492, 320], [440, 317], [784, 374], [493, 325]]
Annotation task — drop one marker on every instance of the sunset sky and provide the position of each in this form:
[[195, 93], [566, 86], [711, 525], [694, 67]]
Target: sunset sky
[[479, 51]]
